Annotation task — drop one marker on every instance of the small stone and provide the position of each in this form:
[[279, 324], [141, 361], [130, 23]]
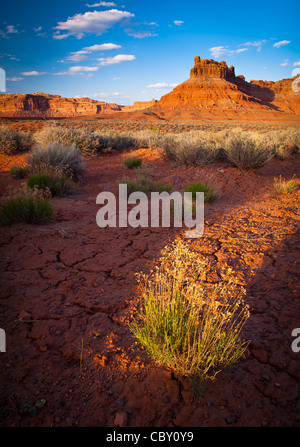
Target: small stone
[[121, 419], [277, 384], [166, 400], [24, 315]]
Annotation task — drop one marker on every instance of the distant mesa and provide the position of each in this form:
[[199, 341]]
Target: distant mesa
[[212, 91]]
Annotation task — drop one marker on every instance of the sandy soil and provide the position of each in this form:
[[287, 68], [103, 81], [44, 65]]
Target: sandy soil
[[68, 293]]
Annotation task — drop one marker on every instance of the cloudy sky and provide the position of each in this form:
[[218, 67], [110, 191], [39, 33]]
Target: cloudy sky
[[124, 51]]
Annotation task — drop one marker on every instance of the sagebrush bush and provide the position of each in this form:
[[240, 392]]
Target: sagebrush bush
[[148, 138], [26, 210], [133, 162], [57, 185], [190, 149], [12, 142], [246, 152], [18, 172], [59, 159], [89, 143], [185, 324]]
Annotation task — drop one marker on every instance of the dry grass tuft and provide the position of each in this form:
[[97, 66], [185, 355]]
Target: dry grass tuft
[[185, 324]]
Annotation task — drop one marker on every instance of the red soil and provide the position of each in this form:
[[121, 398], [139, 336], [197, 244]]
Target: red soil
[[68, 293]]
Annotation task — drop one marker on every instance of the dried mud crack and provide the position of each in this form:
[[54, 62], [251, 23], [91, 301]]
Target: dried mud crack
[[68, 292]]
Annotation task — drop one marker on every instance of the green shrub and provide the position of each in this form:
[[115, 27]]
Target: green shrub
[[12, 142], [59, 159], [57, 185], [209, 194], [18, 172], [143, 183], [283, 186], [25, 210], [133, 162], [185, 324]]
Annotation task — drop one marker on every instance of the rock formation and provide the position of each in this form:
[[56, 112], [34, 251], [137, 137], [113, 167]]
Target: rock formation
[[44, 105], [213, 89], [139, 105]]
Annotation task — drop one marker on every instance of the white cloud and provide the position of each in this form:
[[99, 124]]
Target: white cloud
[[33, 73], [10, 29], [11, 57], [162, 85], [296, 64], [285, 63], [178, 22], [15, 78], [107, 4], [257, 43], [139, 34], [281, 43], [221, 51], [102, 47], [96, 22], [116, 59], [82, 55], [241, 50], [38, 29], [80, 69]]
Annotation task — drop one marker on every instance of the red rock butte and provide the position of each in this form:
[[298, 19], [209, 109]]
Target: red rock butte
[[213, 91]]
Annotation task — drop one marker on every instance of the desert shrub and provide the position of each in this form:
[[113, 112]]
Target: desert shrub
[[187, 325], [119, 140], [59, 159], [284, 142], [133, 162], [283, 186], [18, 172], [57, 185], [12, 142], [148, 138], [209, 194], [246, 152], [144, 183], [26, 210], [89, 143], [190, 149], [23, 190]]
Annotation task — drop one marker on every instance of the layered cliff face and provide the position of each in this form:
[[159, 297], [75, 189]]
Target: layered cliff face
[[213, 89], [43, 105], [139, 105]]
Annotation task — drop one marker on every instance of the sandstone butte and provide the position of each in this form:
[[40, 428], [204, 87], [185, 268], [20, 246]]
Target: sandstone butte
[[212, 91]]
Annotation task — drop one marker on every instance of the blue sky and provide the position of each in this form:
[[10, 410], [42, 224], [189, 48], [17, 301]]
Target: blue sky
[[125, 51]]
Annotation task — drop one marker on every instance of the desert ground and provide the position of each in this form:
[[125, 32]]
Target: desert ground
[[69, 291]]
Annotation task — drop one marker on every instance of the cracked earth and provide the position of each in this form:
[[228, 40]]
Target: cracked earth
[[68, 292]]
